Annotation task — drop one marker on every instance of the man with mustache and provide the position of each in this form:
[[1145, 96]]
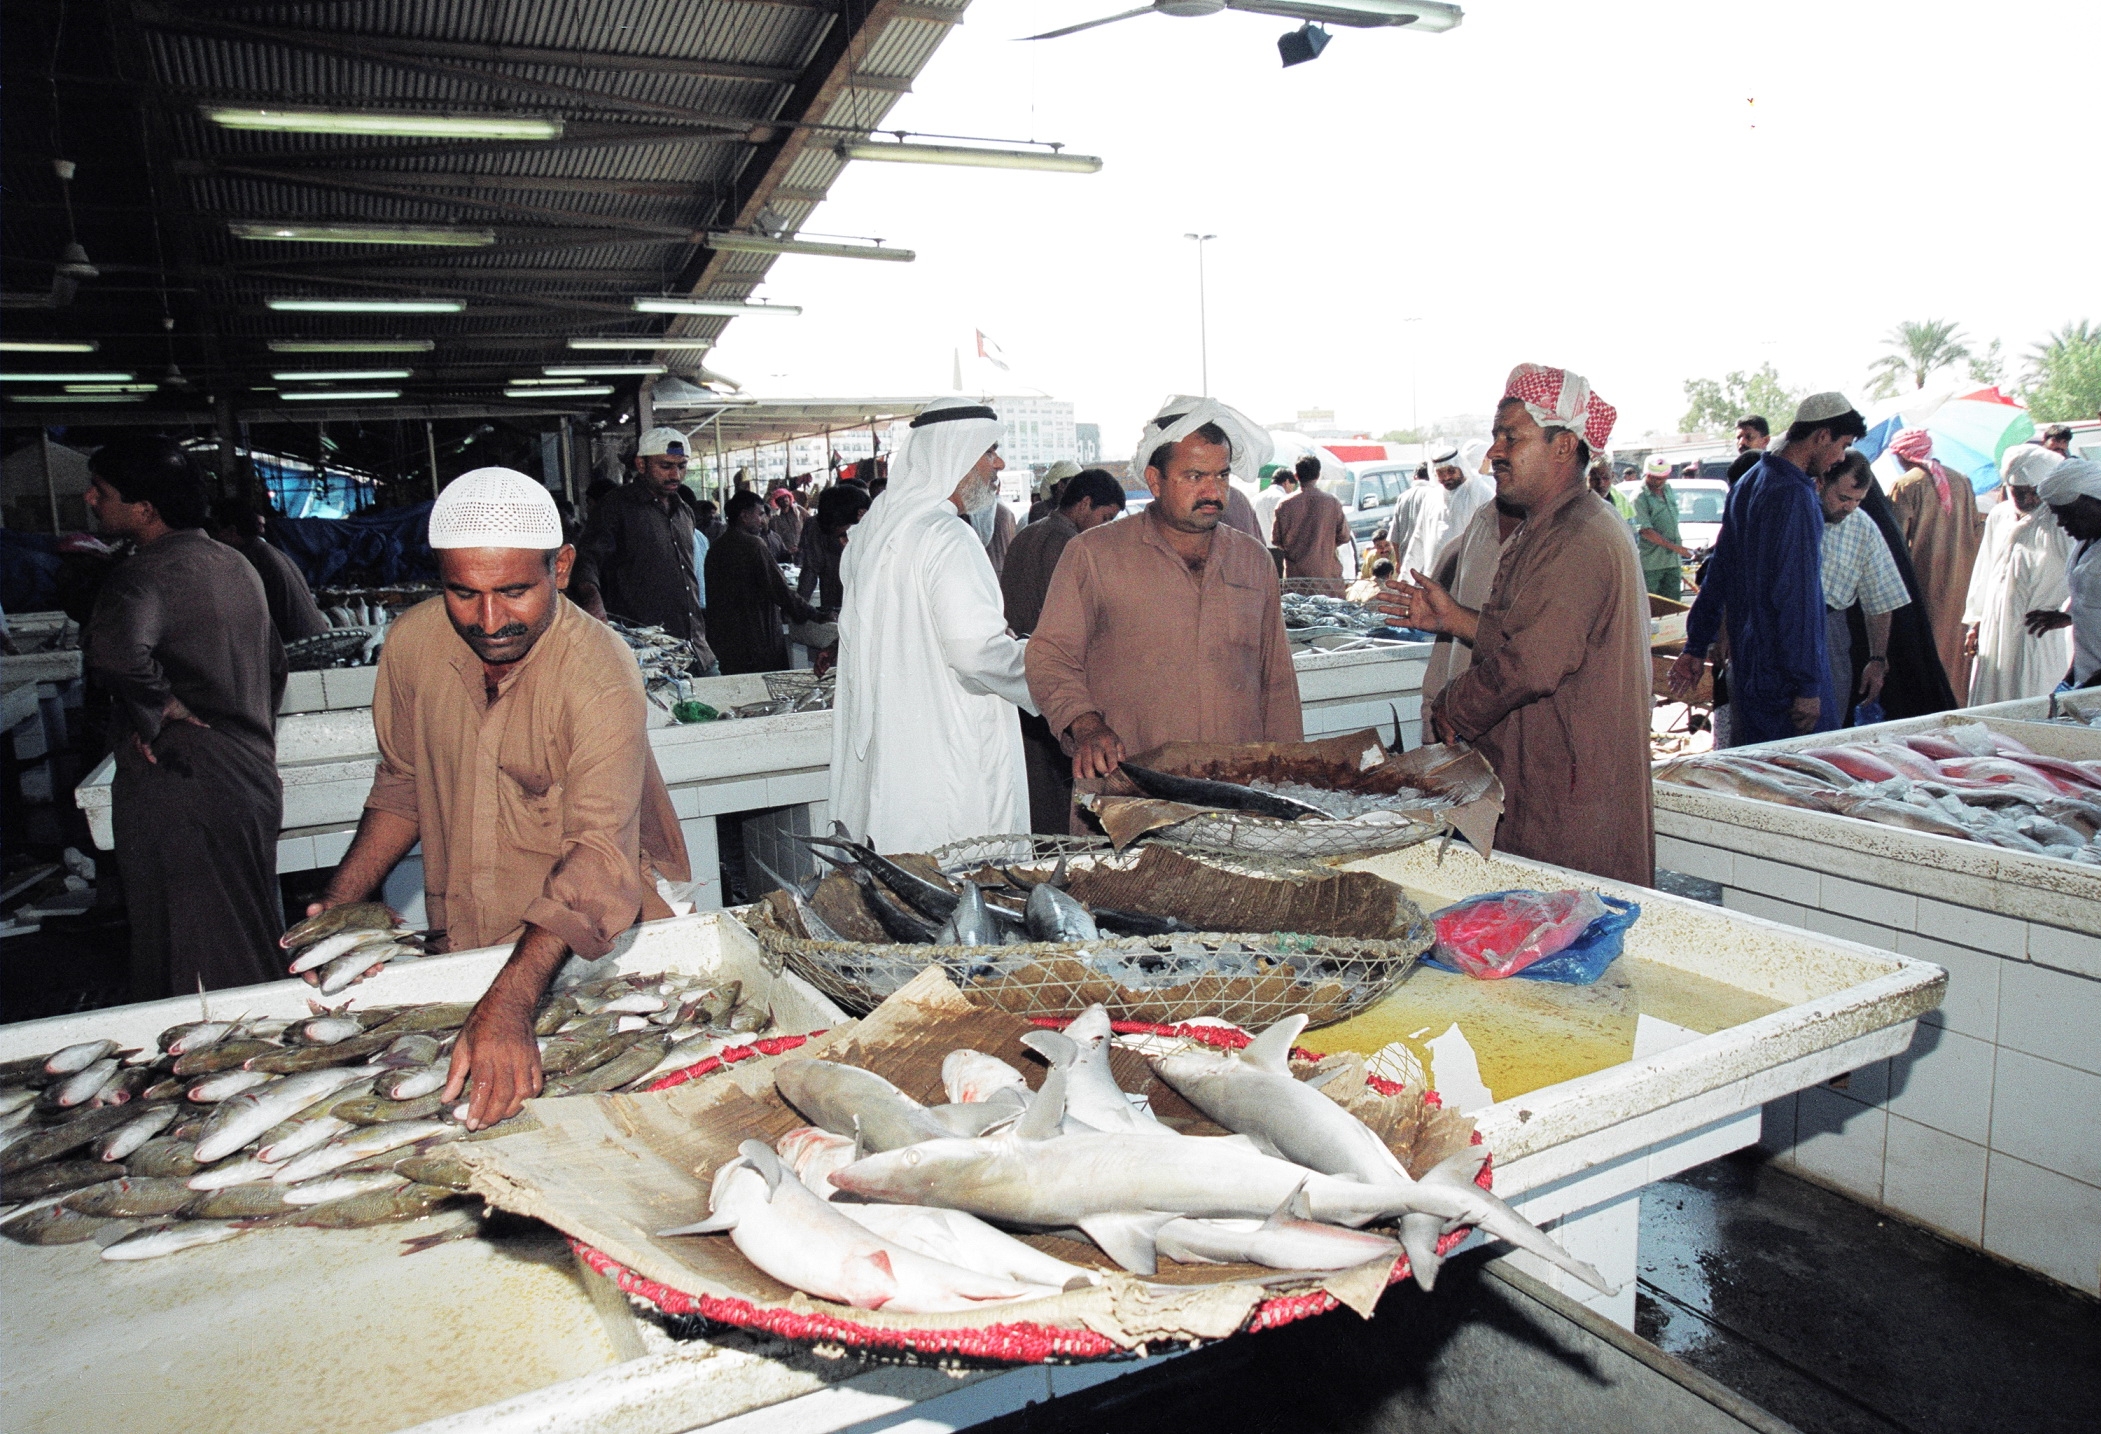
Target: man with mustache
[[1166, 627], [513, 745]]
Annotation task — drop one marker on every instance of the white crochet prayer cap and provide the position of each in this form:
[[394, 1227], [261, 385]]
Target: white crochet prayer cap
[[495, 508]]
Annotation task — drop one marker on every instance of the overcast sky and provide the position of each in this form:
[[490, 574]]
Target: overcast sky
[[1642, 190]]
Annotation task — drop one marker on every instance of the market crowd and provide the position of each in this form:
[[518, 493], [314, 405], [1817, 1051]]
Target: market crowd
[[992, 674]]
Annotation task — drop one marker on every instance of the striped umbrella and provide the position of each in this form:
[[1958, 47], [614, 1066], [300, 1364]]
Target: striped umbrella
[[1971, 429]]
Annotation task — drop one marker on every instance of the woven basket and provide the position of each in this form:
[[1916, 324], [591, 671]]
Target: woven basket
[[1325, 978]]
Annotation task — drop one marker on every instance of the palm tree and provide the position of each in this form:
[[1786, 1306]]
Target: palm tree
[[1917, 350]]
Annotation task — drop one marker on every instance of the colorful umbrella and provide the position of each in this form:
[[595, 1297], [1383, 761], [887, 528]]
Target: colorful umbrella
[[1970, 429]]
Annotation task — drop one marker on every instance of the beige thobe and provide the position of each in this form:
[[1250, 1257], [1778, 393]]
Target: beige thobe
[[542, 806], [1558, 697], [1163, 653], [1943, 547]]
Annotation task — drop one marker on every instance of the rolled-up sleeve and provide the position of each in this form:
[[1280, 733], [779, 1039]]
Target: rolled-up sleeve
[[1057, 652], [122, 633], [594, 891]]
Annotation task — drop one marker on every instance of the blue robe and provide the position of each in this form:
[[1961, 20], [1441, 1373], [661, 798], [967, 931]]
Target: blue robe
[[1765, 582]]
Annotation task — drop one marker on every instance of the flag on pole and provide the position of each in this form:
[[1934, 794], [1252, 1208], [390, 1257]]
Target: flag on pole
[[990, 352]]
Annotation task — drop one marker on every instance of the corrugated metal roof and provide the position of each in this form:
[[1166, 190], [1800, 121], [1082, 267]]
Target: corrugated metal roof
[[680, 116]]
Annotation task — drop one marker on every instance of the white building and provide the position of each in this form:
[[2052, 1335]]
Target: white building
[[1040, 431]]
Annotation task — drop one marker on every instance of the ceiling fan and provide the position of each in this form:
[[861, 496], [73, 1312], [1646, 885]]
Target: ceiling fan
[[1358, 14]]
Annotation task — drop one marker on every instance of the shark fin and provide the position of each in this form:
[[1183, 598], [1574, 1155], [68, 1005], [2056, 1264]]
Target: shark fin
[[1293, 1208], [1054, 1046], [1045, 1116], [759, 1155], [1494, 1217], [1271, 1051], [1128, 1239], [1419, 1234], [1400, 744], [713, 1225]]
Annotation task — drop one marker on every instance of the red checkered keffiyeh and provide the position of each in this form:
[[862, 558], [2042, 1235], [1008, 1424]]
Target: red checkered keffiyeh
[[1914, 447], [1557, 398]]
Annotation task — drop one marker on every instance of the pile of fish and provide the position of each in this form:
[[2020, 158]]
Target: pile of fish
[[346, 943], [338, 647], [1964, 780], [336, 1120], [884, 1203], [1311, 615], [785, 696], [664, 659]]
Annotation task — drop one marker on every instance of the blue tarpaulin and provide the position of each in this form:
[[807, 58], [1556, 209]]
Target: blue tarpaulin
[[382, 545]]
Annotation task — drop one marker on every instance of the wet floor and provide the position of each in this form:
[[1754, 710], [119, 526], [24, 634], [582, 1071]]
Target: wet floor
[[1842, 1320]]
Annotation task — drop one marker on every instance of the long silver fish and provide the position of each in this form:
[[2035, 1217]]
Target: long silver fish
[[368, 1141], [159, 1240], [328, 948], [1054, 916], [249, 1114], [1253, 1093], [224, 1085], [69, 1060]]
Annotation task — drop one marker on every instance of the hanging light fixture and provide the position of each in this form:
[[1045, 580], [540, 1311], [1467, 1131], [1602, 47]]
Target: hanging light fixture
[[420, 126], [733, 308]]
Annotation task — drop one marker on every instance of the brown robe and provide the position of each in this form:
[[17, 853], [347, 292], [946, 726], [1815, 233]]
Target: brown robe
[[293, 610], [196, 830], [1309, 526], [543, 806], [1558, 696], [1024, 582], [1943, 551], [1163, 653]]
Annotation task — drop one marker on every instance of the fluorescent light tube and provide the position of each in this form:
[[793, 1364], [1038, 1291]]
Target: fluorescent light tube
[[580, 391], [424, 126], [341, 375], [602, 370], [895, 153], [363, 234], [351, 346], [760, 244], [76, 397], [343, 395], [66, 377], [728, 307], [48, 346], [668, 345], [367, 306]]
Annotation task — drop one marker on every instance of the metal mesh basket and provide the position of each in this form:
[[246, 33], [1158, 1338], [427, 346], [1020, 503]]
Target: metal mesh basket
[[1305, 841], [1252, 979]]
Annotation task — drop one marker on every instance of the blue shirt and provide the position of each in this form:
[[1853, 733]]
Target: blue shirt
[[700, 563], [1765, 582]]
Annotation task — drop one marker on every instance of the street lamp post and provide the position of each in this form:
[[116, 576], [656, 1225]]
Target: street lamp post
[[1203, 311]]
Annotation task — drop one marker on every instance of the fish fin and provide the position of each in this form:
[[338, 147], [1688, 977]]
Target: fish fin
[[1046, 1113], [1054, 1046], [1294, 1208], [1400, 743], [1271, 1051], [759, 1155], [969, 1120], [860, 1144], [1058, 878], [881, 1260], [1317, 1081], [1494, 1217], [1128, 1239], [1419, 1234], [713, 1225], [204, 1007]]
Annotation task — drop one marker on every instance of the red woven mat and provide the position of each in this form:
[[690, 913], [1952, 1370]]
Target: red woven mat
[[1021, 1342]]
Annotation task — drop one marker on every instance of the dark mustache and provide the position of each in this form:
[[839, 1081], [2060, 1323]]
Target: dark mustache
[[502, 634]]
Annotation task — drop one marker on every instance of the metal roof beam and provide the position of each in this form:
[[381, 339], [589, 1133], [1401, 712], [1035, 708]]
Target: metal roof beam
[[551, 184], [586, 135]]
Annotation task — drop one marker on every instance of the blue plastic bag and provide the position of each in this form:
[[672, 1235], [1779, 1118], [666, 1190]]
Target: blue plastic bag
[[1583, 960]]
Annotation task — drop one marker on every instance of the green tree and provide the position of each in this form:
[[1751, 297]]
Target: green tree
[[1917, 351], [1989, 366], [2065, 375], [1403, 435], [1717, 404]]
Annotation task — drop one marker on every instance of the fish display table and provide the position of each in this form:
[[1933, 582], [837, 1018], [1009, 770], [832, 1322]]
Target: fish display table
[[1983, 1129], [291, 1330]]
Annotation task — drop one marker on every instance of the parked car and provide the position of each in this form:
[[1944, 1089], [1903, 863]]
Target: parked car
[[1700, 503], [1369, 492]]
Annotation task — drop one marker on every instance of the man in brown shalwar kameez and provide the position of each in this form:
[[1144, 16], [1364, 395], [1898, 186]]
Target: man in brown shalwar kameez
[[1166, 627], [181, 638], [1937, 513], [1558, 696], [513, 744], [1311, 527]]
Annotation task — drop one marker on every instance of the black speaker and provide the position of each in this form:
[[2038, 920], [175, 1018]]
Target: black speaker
[[1302, 44]]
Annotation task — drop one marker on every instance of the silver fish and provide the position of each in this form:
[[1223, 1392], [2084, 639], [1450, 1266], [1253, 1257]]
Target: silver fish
[[974, 925], [128, 1137], [1282, 1242], [328, 948], [342, 1187], [158, 1240], [327, 1030], [415, 1081], [75, 1058], [296, 1137], [19, 1097], [368, 1141], [248, 1115], [249, 1170], [225, 1084], [197, 1035], [1054, 916], [86, 1083]]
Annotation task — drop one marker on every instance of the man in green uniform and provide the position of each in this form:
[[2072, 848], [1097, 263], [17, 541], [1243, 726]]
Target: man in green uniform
[[1656, 525]]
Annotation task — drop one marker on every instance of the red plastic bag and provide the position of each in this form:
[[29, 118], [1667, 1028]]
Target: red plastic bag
[[1500, 933]]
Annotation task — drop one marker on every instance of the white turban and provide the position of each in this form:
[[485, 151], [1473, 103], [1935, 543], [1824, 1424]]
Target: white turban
[[495, 508], [2026, 464], [2071, 480], [1181, 416]]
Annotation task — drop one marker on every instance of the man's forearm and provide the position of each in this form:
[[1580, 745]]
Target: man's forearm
[[1878, 635], [525, 976], [383, 838]]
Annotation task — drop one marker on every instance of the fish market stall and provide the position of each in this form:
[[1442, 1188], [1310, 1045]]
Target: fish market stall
[[1349, 687], [344, 1328], [1983, 1130]]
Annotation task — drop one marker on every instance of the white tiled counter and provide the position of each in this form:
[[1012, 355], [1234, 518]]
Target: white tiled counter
[[1988, 1129], [1349, 691]]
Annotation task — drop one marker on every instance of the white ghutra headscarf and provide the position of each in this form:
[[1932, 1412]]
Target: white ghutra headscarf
[[1182, 415]]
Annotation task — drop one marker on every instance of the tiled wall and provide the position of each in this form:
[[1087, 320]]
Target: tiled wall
[[770, 837], [1989, 1128]]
